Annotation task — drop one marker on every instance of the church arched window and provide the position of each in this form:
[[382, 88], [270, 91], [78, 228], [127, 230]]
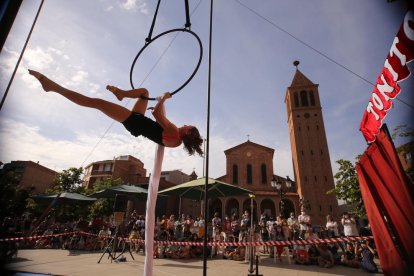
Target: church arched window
[[249, 174], [304, 98], [296, 99], [235, 174], [312, 98], [264, 173]]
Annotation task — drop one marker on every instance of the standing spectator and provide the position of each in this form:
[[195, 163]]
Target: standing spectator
[[278, 236], [227, 228], [201, 227], [285, 229], [331, 227], [279, 219], [245, 222], [171, 226], [235, 227], [304, 223], [217, 226], [263, 231], [293, 226], [179, 230], [349, 223]]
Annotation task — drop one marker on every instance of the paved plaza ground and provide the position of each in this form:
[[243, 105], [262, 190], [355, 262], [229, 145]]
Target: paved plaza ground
[[63, 262]]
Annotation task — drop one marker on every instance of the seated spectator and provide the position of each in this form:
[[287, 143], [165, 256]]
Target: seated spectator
[[313, 254], [366, 253], [336, 255], [240, 253], [325, 258], [301, 255], [350, 258], [230, 250]]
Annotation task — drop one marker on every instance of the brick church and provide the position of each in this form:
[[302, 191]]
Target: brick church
[[250, 165]]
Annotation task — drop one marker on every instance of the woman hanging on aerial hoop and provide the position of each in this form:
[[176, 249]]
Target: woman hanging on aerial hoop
[[161, 131]]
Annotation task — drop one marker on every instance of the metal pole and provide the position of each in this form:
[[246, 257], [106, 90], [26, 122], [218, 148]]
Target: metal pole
[[206, 153]]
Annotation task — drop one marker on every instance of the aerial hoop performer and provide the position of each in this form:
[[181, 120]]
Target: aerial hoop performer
[[160, 131]]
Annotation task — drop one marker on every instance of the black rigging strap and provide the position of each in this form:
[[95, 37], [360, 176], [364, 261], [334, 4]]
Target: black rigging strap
[[187, 20]]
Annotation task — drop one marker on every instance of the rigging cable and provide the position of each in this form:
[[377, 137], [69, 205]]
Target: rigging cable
[[312, 48]]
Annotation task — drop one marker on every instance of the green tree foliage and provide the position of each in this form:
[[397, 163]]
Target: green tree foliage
[[12, 197], [104, 206], [402, 131], [347, 187], [68, 181]]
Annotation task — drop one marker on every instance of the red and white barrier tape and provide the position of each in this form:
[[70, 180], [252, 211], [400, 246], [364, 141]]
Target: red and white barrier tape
[[296, 242]]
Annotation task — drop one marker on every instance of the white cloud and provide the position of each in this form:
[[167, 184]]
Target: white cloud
[[131, 5], [38, 58]]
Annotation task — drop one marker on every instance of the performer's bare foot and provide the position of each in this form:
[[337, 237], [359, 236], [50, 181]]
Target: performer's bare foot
[[46, 83], [116, 91]]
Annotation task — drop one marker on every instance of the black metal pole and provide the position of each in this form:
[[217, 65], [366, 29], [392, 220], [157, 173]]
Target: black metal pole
[[21, 56], [207, 144]]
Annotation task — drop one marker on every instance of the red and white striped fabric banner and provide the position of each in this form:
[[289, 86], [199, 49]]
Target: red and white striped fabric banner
[[386, 89]]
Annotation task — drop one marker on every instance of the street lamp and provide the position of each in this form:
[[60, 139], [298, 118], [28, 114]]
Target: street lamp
[[277, 184]]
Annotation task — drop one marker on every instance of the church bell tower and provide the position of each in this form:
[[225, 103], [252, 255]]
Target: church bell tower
[[310, 153]]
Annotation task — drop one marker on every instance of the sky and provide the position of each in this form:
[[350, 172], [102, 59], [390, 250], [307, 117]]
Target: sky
[[85, 45]]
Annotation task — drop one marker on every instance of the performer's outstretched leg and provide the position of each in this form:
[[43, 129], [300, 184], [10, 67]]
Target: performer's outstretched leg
[[114, 111]]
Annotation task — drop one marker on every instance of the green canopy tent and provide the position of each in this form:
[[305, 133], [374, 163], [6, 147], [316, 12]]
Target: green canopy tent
[[133, 192], [64, 198], [195, 189]]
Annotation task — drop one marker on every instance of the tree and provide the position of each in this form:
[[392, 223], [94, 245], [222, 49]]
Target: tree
[[68, 181], [347, 187], [403, 131], [103, 206], [12, 197]]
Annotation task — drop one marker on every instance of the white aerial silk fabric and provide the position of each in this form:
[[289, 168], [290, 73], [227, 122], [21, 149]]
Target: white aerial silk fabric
[[150, 212]]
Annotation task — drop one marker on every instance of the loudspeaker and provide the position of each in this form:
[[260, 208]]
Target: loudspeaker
[[120, 204]]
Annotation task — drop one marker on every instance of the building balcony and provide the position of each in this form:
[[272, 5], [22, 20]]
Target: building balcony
[[95, 173]]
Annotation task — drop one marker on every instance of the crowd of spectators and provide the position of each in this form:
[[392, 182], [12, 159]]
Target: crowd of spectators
[[191, 229]]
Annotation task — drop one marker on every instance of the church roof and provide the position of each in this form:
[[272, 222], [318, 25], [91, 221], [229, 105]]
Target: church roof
[[248, 143], [300, 79]]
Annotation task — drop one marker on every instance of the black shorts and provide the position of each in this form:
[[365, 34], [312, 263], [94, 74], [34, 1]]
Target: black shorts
[[137, 124]]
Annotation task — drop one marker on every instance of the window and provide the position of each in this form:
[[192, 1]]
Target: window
[[296, 98], [249, 174], [108, 167], [311, 152], [304, 98], [312, 98], [264, 173], [316, 178], [235, 174], [320, 208], [330, 207], [306, 178]]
